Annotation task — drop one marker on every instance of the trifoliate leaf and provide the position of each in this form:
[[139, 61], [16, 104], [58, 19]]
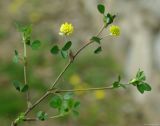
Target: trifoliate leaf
[[26, 31], [101, 8], [116, 84], [68, 104], [108, 19], [42, 115], [144, 87], [55, 50], [56, 101], [140, 75], [67, 46], [98, 50], [35, 44]]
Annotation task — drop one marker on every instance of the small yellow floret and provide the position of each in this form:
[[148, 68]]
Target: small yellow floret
[[114, 30], [99, 94], [66, 29]]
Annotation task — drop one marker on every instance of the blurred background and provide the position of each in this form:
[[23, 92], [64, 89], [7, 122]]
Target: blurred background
[[137, 47]]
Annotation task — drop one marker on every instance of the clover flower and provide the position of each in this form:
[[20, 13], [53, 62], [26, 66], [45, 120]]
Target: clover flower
[[114, 30], [66, 29]]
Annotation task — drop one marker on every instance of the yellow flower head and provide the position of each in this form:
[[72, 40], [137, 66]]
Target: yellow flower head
[[99, 94], [114, 30], [66, 29]]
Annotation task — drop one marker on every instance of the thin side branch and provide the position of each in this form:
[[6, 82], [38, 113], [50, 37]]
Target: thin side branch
[[87, 89]]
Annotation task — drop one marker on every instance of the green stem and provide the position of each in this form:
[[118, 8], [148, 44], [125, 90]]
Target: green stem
[[25, 71], [87, 89]]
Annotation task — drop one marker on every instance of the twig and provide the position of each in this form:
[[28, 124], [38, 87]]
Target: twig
[[58, 78], [87, 89]]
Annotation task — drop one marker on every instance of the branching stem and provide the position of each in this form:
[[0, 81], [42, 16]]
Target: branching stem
[[57, 79]]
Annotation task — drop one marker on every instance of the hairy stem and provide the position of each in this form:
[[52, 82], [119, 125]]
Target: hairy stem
[[25, 72]]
